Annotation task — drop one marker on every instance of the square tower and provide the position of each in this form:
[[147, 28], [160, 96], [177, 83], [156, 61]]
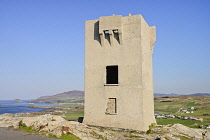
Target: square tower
[[118, 72]]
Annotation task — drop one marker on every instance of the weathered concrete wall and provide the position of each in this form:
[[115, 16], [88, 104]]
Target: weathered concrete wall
[[126, 42]]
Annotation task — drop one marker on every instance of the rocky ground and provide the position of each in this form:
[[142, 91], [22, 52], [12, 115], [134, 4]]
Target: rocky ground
[[54, 125]]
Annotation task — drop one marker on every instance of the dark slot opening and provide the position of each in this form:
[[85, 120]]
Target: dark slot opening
[[106, 32], [112, 75], [116, 35]]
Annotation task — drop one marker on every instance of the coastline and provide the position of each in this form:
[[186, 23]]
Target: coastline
[[57, 126], [9, 106], [54, 121]]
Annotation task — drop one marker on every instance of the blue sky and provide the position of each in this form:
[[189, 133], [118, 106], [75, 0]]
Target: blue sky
[[42, 44]]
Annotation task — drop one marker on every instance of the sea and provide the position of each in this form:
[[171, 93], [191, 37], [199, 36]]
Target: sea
[[9, 106]]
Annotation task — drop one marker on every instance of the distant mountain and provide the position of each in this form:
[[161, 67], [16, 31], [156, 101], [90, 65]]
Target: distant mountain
[[77, 96], [74, 96], [200, 94], [163, 95], [174, 94]]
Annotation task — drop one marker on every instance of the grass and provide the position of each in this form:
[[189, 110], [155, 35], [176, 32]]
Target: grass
[[153, 125], [74, 115], [175, 121], [192, 104], [96, 135], [167, 107], [68, 100], [23, 127], [182, 137], [72, 105], [68, 136], [201, 103], [189, 123], [133, 136], [196, 114], [72, 111]]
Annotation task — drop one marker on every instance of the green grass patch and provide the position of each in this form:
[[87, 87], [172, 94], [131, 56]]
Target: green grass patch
[[25, 128], [52, 136], [200, 113], [150, 128], [133, 136], [167, 107], [68, 136], [67, 100], [134, 131], [189, 123], [70, 105], [96, 135], [74, 115], [192, 104], [182, 137]]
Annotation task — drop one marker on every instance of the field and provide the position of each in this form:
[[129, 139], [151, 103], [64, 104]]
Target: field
[[71, 111], [163, 105], [174, 105], [74, 115]]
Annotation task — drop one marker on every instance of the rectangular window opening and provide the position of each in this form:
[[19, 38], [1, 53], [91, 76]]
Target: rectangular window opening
[[106, 31], [116, 35], [111, 106], [112, 75], [107, 36]]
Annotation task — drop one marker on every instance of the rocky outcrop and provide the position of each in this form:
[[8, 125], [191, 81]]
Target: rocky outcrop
[[56, 125], [49, 124], [8, 120], [178, 129], [17, 101], [184, 131]]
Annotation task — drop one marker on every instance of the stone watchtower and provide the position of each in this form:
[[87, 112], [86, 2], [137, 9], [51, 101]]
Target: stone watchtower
[[118, 72]]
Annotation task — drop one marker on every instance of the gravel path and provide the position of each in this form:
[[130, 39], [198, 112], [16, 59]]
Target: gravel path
[[9, 134]]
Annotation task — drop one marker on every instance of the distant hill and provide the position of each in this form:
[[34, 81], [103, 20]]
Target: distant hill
[[77, 96], [74, 96], [17, 101], [173, 94], [163, 95], [200, 94]]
